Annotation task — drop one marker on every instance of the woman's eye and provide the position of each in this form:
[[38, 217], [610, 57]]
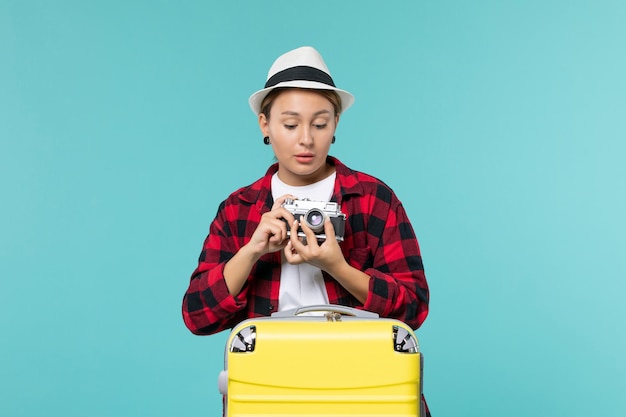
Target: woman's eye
[[320, 126], [290, 127]]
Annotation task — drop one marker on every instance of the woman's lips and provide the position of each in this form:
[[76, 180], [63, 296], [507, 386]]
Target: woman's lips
[[304, 158]]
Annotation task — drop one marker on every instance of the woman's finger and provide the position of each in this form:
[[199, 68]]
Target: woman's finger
[[281, 200]]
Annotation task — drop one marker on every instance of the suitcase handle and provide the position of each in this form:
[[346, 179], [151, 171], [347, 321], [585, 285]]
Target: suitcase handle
[[330, 308]]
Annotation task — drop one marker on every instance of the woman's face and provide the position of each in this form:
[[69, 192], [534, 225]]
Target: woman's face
[[300, 127]]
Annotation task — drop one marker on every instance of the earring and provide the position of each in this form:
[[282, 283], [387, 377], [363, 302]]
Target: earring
[[266, 140], [333, 141]]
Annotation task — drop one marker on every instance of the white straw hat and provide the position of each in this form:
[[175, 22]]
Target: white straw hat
[[299, 68]]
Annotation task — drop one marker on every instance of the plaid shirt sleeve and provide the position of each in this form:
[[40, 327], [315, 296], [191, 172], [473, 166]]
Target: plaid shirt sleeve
[[208, 306], [381, 242]]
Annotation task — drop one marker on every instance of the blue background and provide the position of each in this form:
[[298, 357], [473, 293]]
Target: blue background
[[500, 124]]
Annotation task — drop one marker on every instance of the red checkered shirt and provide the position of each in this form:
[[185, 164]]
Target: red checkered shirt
[[378, 240]]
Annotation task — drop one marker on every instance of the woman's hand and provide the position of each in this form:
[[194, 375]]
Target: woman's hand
[[269, 236], [326, 255], [271, 233]]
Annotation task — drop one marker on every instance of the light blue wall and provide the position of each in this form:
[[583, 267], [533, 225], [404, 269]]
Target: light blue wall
[[500, 125]]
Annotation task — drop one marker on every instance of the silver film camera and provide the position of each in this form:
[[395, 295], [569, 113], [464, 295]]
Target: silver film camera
[[314, 213]]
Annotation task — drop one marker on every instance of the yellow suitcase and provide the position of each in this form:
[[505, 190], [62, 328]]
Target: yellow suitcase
[[339, 362]]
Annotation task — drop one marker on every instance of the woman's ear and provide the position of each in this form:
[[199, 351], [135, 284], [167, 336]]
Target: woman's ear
[[263, 124]]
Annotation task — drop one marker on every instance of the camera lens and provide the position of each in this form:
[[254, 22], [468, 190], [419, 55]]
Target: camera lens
[[315, 220]]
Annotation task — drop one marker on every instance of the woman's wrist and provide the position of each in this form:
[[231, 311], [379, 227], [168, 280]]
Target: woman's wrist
[[353, 280], [238, 268], [249, 254]]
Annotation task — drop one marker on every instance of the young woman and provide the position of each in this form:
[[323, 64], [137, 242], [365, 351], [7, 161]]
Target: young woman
[[254, 262]]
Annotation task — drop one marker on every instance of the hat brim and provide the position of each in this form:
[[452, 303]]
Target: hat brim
[[256, 99]]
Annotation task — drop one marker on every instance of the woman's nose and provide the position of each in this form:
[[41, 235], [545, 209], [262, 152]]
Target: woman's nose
[[306, 138]]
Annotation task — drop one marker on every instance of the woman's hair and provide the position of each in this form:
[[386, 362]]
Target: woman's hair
[[330, 95]]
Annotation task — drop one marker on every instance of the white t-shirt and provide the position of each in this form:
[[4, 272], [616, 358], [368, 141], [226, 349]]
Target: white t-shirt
[[302, 285]]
